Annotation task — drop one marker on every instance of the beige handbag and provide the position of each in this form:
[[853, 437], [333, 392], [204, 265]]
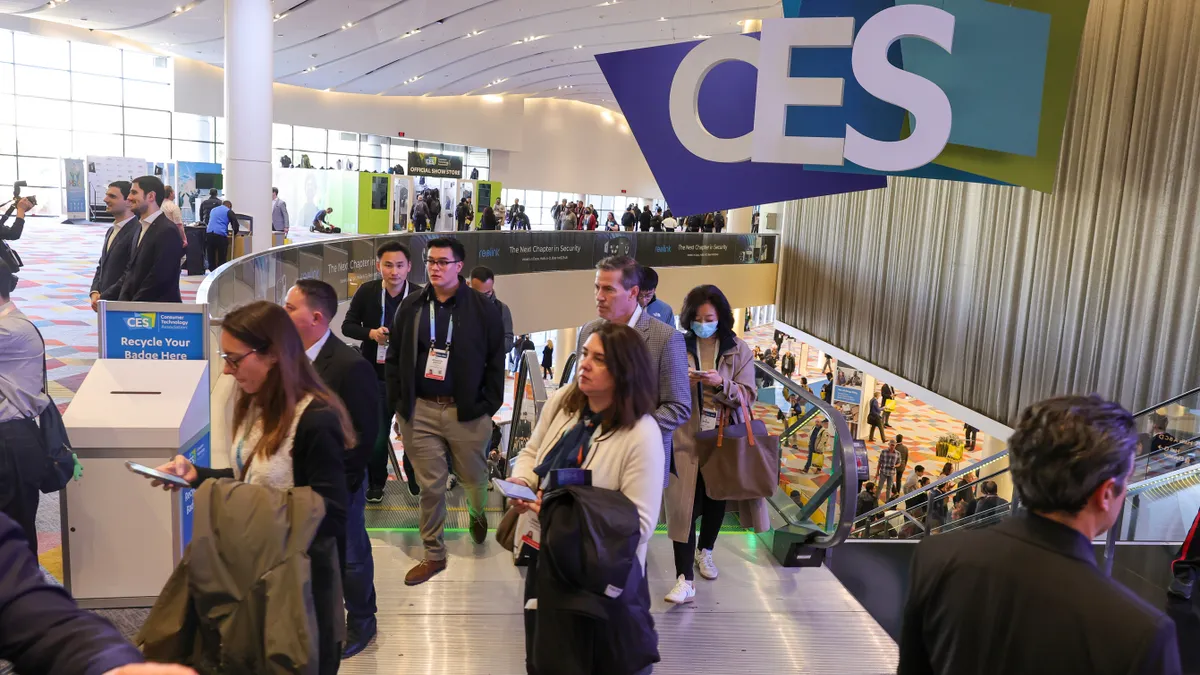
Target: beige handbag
[[739, 461]]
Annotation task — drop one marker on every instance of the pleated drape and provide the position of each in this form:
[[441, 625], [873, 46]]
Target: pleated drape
[[997, 297]]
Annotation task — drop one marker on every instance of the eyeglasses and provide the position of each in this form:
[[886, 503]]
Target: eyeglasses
[[235, 359], [441, 264]]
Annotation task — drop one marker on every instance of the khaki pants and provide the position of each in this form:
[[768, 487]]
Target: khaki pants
[[433, 432]]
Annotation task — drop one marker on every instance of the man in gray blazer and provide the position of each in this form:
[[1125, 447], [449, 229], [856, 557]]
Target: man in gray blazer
[[279, 213], [617, 281]]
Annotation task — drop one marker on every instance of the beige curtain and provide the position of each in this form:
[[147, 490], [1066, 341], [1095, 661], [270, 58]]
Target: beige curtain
[[996, 296]]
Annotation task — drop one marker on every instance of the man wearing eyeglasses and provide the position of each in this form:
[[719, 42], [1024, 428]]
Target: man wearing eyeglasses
[[445, 379]]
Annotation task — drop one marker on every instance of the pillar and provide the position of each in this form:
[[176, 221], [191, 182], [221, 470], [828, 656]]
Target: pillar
[[564, 346], [739, 322], [249, 74], [739, 220]]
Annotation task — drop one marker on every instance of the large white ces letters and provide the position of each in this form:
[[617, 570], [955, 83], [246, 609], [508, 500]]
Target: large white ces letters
[[776, 91]]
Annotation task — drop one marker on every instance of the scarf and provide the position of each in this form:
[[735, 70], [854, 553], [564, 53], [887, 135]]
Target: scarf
[[571, 450]]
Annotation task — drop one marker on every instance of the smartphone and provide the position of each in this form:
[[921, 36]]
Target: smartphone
[[157, 475], [514, 490]]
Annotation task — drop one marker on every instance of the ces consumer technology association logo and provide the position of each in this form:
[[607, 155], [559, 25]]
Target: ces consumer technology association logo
[[840, 94], [141, 320]]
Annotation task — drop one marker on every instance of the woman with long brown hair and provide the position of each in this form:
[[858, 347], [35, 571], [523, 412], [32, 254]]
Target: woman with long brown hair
[[289, 430]]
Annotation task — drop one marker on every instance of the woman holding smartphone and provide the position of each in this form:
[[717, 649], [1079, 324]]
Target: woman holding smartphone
[[289, 429], [721, 372], [601, 422]]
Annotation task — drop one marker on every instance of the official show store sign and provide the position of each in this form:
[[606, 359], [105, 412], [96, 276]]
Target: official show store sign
[[161, 336], [428, 164]]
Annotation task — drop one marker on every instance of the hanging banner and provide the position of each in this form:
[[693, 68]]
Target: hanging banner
[[429, 164]]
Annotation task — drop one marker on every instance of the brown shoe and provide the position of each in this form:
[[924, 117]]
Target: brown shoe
[[423, 571]]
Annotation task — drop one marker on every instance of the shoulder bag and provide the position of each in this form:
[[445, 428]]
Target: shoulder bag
[[739, 461], [60, 460]]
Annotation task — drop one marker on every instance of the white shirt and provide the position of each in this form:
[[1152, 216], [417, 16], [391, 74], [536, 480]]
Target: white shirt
[[116, 229], [312, 351], [146, 224], [637, 314]]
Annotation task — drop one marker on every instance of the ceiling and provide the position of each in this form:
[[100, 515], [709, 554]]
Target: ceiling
[[537, 48]]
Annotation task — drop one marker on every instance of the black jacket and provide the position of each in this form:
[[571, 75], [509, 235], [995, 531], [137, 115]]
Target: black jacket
[[645, 221], [153, 272], [206, 206], [114, 261], [1026, 597], [318, 462], [41, 628], [627, 220], [593, 602], [476, 354], [350, 376], [363, 316]]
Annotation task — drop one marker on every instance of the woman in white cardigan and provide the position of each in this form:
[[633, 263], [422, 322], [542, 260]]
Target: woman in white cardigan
[[603, 422]]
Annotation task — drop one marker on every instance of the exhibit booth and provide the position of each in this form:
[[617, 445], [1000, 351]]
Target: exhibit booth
[[361, 201]]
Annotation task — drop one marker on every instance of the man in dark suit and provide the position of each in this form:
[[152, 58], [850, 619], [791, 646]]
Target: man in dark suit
[[153, 271], [1026, 596], [369, 319], [118, 245], [312, 304], [618, 280]]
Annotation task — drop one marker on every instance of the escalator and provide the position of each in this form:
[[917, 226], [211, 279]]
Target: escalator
[[1162, 498]]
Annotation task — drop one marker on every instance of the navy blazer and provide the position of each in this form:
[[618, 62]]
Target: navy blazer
[[153, 271], [41, 628], [114, 260], [350, 376]]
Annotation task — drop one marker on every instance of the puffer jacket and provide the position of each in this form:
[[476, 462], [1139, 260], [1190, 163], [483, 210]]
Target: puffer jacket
[[254, 593]]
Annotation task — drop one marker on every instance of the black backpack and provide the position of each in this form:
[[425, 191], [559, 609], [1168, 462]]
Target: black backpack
[[60, 460]]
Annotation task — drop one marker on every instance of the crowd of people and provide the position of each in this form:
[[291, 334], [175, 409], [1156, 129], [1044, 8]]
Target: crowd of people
[[568, 216], [285, 536]]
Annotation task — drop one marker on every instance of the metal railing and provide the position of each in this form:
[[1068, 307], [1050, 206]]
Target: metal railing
[[529, 396]]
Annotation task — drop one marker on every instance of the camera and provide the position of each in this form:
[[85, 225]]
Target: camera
[[17, 192]]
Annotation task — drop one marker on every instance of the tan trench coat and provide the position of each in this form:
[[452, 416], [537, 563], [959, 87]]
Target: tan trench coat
[[736, 367]]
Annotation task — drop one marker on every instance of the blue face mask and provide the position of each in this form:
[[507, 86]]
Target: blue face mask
[[704, 330]]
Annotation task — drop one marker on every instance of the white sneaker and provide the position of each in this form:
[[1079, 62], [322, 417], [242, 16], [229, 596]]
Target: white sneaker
[[682, 593], [704, 563], [451, 482]]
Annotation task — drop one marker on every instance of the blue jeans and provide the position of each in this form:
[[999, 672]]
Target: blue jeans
[[359, 579]]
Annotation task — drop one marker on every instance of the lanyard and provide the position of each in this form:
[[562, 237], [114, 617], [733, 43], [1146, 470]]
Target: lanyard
[[383, 317], [433, 328]]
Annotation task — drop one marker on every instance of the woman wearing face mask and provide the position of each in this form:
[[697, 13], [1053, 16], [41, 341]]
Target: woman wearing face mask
[[721, 373], [289, 430]]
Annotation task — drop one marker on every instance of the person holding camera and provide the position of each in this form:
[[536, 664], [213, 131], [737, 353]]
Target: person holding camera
[[21, 205]]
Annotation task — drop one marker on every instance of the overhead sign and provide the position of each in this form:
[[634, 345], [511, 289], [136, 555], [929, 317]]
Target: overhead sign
[[428, 164], [155, 331], [838, 95]]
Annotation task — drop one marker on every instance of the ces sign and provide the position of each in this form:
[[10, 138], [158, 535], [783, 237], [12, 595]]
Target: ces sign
[[776, 91]]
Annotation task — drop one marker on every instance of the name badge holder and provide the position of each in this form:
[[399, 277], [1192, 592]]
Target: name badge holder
[[438, 361], [381, 350]]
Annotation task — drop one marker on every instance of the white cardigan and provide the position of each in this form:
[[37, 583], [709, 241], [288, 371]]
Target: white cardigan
[[629, 460]]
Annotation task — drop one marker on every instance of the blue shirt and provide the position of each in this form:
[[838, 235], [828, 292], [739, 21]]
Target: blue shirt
[[218, 220], [661, 311]]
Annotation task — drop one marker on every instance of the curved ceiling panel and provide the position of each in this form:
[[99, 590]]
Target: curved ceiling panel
[[542, 48]]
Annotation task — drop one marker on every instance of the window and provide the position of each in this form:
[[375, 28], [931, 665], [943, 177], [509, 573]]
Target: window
[[308, 138], [192, 151], [40, 51], [43, 142], [43, 113], [155, 149], [8, 109], [146, 67], [154, 123], [40, 172], [98, 59], [190, 127], [96, 89], [8, 169], [435, 148], [6, 46], [43, 82], [7, 82], [479, 157], [8, 140], [148, 95], [281, 136], [92, 117], [87, 143], [343, 143]]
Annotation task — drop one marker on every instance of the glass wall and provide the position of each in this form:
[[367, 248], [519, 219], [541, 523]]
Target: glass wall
[[62, 98], [539, 202]]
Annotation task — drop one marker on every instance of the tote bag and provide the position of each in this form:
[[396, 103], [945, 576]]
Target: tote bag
[[739, 461]]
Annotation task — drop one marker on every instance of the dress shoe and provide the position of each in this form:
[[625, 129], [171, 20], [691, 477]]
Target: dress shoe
[[423, 571], [479, 528], [356, 641]]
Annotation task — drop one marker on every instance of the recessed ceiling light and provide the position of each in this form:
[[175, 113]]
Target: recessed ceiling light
[[493, 98], [281, 16], [577, 47], [662, 18], [178, 10], [701, 37]]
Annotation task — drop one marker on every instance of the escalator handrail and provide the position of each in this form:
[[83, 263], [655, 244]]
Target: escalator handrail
[[1165, 450], [1173, 399], [849, 477], [569, 367], [904, 498], [528, 364], [933, 484]]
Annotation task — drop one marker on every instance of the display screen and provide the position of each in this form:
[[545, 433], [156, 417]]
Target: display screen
[[379, 193], [207, 181]]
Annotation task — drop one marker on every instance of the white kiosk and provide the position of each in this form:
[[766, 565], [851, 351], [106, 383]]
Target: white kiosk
[[121, 537]]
